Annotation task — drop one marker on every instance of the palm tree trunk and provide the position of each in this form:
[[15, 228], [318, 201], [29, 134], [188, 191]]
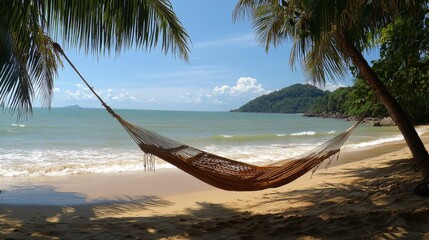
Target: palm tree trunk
[[402, 120]]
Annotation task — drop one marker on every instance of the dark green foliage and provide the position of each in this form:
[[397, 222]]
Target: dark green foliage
[[360, 100], [404, 64], [335, 102], [297, 98], [350, 102], [403, 68]]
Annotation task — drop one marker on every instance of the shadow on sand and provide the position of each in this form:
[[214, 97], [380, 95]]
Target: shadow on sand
[[378, 205]]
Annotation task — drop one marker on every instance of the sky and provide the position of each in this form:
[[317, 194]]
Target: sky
[[226, 68]]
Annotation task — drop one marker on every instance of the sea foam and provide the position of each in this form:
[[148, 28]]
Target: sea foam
[[66, 162], [305, 133], [14, 163], [379, 141], [375, 142]]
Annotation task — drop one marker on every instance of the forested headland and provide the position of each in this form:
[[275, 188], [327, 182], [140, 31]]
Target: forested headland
[[344, 102], [297, 98]]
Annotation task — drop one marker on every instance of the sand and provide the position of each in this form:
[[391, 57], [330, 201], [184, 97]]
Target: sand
[[367, 194]]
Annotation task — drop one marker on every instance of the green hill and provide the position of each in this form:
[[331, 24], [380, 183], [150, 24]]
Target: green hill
[[296, 98]]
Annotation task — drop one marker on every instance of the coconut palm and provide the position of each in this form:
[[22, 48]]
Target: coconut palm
[[329, 36], [29, 29]]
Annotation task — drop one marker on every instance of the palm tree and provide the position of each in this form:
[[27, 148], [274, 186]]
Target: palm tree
[[329, 36], [29, 29]]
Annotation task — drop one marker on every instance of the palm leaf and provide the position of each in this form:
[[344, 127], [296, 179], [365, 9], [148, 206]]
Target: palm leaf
[[102, 26], [316, 26], [28, 62]]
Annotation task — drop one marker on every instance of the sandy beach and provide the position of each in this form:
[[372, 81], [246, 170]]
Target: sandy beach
[[366, 194]]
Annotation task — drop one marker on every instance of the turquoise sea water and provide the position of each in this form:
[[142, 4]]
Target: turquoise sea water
[[71, 141]]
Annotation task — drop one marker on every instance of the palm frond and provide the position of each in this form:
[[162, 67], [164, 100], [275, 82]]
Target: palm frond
[[269, 25], [16, 89], [105, 25], [29, 66], [244, 9], [315, 26], [325, 61], [44, 64], [28, 62]]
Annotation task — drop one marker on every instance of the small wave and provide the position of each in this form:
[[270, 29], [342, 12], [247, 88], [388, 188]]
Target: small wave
[[265, 137], [25, 163], [66, 162], [18, 125], [262, 153], [241, 138], [394, 138], [75, 168], [62, 168], [376, 142], [305, 133]]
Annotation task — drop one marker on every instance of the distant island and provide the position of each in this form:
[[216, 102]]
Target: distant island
[[73, 107], [297, 98]]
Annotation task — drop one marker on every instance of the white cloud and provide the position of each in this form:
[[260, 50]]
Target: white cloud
[[242, 91], [122, 96], [243, 86], [331, 86], [83, 93], [57, 90], [200, 96], [197, 97], [222, 97], [221, 90]]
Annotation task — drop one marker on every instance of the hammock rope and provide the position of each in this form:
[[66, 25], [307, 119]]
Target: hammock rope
[[216, 170]]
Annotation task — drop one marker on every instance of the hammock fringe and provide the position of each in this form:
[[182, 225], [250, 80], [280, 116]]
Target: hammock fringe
[[149, 162], [219, 171]]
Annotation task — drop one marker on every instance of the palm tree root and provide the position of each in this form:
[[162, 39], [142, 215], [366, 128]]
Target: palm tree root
[[422, 189]]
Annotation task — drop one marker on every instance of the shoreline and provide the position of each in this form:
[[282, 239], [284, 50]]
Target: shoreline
[[95, 150], [96, 188], [367, 196]]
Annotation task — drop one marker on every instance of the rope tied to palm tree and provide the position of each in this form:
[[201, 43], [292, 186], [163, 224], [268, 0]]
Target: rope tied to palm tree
[[58, 49], [218, 171]]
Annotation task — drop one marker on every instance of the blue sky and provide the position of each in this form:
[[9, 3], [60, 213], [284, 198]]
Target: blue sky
[[226, 69]]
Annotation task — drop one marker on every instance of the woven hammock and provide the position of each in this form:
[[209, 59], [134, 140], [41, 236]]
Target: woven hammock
[[219, 171]]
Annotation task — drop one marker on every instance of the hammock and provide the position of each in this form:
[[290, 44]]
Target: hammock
[[219, 171]]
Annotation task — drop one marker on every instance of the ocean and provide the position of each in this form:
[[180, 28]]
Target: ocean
[[64, 141]]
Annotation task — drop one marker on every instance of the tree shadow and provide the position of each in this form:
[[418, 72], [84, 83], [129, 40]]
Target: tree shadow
[[41, 212], [379, 204]]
